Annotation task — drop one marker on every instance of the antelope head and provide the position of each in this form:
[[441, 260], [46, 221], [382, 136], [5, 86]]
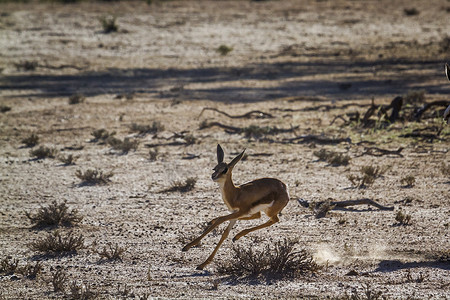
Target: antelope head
[[222, 170]]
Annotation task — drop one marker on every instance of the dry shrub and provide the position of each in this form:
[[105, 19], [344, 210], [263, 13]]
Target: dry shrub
[[124, 146], [31, 140], [331, 157], [68, 160], [55, 243], [322, 208], [94, 176], [55, 214], [367, 294], [109, 24], [445, 169], [282, 261], [415, 97], [58, 280], [147, 129], [27, 65], [402, 219], [411, 11], [181, 187], [9, 266], [224, 49], [76, 99], [254, 131], [101, 135], [369, 175], [4, 108], [80, 291], [44, 152], [111, 252], [408, 181], [153, 154]]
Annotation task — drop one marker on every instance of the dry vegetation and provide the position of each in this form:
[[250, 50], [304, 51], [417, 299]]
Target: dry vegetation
[[341, 100]]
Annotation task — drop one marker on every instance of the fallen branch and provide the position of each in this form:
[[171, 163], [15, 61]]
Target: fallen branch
[[310, 138], [250, 131], [420, 111], [345, 203], [375, 151], [251, 114], [323, 107]]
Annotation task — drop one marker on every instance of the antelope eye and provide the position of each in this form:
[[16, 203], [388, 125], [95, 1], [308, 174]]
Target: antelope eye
[[225, 170]]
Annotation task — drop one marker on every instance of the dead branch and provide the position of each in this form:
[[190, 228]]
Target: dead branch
[[311, 138], [375, 151], [338, 117], [395, 105], [176, 143], [345, 203], [249, 131], [421, 110], [257, 114], [323, 107]]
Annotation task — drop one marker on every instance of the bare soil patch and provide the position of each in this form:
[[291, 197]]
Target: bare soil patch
[[310, 69]]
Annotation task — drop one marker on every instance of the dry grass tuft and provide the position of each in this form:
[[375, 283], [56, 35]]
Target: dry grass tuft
[[55, 214], [282, 261], [9, 266], [402, 218], [109, 24], [147, 129], [44, 152], [181, 187], [31, 141], [58, 280], [408, 181], [224, 49], [55, 243], [101, 135], [124, 146], [92, 177], [81, 291], [111, 253], [369, 175], [331, 157], [68, 160]]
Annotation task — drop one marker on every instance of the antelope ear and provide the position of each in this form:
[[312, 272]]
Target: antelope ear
[[447, 71], [220, 154], [236, 159]]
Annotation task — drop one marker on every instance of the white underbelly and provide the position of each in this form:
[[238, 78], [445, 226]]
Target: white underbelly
[[258, 208]]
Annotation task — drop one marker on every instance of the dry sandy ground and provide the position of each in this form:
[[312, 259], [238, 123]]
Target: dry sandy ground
[[286, 55]]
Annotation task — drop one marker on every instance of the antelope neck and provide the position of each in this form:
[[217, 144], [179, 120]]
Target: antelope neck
[[228, 190]]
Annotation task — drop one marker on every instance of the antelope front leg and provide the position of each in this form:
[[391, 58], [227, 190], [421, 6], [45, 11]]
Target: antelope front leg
[[224, 236], [217, 222]]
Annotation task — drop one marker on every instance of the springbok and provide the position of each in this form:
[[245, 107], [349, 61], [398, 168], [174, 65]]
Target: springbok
[[447, 111], [245, 202]]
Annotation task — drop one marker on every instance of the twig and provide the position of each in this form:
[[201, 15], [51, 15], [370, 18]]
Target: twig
[[254, 113]]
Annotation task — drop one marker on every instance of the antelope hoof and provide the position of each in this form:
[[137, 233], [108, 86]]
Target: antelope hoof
[[235, 238], [200, 267], [185, 248]]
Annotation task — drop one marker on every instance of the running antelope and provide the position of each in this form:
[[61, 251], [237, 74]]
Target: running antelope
[[447, 111], [245, 202]]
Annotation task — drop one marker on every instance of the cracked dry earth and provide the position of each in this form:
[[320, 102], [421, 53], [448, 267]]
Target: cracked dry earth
[[303, 62]]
